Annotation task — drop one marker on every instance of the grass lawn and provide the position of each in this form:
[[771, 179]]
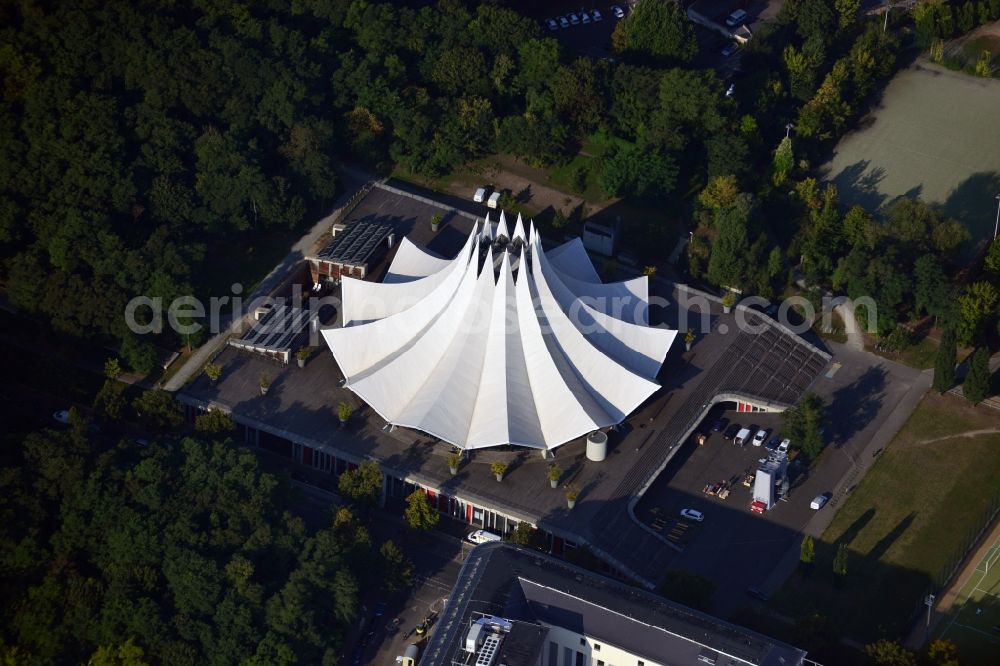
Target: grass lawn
[[904, 522], [438, 184], [585, 167], [921, 355], [964, 53]]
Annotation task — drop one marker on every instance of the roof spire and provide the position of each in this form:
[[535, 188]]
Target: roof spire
[[519, 230], [487, 228], [502, 227]]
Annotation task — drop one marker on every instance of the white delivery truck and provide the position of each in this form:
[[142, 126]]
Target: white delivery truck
[[742, 437]]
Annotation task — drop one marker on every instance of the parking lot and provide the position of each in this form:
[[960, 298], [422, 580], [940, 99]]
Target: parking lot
[[733, 547], [592, 38]]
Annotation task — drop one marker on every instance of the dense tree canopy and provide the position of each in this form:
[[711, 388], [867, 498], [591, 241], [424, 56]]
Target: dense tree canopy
[[657, 31], [185, 555]]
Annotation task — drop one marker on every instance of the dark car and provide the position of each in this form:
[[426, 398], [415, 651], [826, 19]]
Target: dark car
[[731, 430], [380, 609], [774, 443], [720, 425]]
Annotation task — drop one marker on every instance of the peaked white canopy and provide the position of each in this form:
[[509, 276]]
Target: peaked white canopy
[[469, 352]]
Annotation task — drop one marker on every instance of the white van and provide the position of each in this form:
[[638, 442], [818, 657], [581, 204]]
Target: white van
[[493, 201], [480, 195], [742, 437], [482, 536], [736, 18]]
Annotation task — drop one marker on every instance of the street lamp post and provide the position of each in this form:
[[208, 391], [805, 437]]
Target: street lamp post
[[885, 24], [788, 128], [996, 227], [929, 602]]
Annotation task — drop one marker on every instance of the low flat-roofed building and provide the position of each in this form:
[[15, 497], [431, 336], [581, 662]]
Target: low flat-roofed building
[[355, 248], [569, 616], [280, 331]]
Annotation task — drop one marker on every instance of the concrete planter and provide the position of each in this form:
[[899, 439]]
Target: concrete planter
[[727, 308], [301, 362], [499, 477], [453, 470], [687, 346], [570, 503], [263, 390], [554, 483], [434, 227]]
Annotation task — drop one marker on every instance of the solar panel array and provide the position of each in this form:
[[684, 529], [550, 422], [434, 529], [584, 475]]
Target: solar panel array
[[277, 332], [356, 243]]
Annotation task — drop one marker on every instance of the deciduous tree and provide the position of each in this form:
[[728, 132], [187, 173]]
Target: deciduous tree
[[885, 652], [159, 409], [362, 486], [975, 307], [657, 31], [420, 515]]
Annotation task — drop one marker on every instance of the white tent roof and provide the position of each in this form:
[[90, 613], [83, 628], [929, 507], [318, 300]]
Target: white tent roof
[[474, 356]]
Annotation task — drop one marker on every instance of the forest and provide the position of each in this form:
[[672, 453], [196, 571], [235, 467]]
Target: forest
[[138, 140], [178, 553]]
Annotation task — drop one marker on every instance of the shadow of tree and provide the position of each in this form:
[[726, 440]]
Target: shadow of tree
[[858, 183], [859, 524], [880, 548], [974, 204], [855, 405]]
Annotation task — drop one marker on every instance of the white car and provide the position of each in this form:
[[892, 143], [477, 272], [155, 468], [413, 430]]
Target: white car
[[785, 443], [551, 24], [563, 22], [760, 438], [617, 11], [819, 502], [585, 17], [480, 195], [574, 19], [482, 536], [62, 416], [692, 514], [597, 14]]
